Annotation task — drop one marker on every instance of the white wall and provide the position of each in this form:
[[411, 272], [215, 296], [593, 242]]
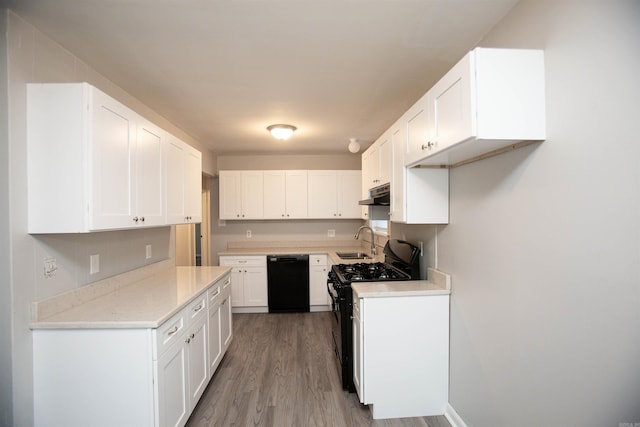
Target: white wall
[[544, 243], [32, 57], [6, 409]]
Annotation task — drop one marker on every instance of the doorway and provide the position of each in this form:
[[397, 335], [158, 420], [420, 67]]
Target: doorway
[[193, 241]]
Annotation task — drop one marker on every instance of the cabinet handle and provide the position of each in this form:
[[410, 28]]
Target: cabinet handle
[[226, 283], [188, 340], [217, 292], [193, 335], [197, 308], [172, 331]]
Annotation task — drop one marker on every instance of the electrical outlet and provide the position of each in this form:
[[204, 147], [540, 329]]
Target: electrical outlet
[[94, 264], [148, 252], [331, 233], [50, 267], [248, 234]]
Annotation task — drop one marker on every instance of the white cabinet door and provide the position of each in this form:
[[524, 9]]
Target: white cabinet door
[[198, 359], [241, 195], [334, 194], [113, 140], [371, 166], [252, 195], [237, 285], [173, 394], [419, 124], [296, 194], [385, 159], [149, 174], [226, 322], [348, 192], [193, 185], [255, 287], [318, 272], [453, 111], [398, 144], [358, 355], [230, 194], [183, 182], [323, 201], [214, 339], [275, 192]]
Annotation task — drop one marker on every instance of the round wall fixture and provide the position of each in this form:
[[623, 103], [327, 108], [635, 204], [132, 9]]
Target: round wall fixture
[[281, 131]]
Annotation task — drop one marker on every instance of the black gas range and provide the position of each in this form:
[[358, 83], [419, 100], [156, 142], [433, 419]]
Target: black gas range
[[401, 262]]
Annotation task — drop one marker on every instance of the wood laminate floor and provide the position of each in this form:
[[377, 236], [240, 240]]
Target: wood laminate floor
[[280, 371]]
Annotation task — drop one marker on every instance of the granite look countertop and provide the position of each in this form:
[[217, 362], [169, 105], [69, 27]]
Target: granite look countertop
[[438, 283], [143, 303]]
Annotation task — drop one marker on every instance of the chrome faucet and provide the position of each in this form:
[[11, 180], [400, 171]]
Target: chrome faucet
[[373, 245]]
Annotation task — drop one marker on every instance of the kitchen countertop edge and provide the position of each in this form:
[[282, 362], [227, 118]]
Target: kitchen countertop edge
[[439, 284], [142, 304]]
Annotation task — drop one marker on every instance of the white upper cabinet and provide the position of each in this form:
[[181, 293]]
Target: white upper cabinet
[[377, 163], [94, 164], [286, 194], [418, 195], [488, 101], [334, 194], [149, 173], [183, 182], [241, 195]]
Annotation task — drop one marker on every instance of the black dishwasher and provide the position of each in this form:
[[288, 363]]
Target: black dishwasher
[[288, 283]]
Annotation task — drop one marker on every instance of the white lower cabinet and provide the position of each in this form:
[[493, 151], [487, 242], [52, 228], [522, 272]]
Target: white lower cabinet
[[401, 354], [318, 272], [128, 376], [248, 280], [219, 322]]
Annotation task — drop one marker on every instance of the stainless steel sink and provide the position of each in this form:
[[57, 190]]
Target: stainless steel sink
[[353, 255]]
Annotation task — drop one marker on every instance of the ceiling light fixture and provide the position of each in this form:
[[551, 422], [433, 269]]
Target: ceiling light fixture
[[281, 131], [354, 146]]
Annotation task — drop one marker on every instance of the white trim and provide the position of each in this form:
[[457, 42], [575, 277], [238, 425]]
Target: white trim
[[452, 416]]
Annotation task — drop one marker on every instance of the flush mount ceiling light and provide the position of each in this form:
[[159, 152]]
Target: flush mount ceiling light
[[354, 146], [281, 131]]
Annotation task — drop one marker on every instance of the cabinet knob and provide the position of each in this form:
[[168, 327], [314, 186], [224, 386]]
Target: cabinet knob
[[142, 218], [135, 219]]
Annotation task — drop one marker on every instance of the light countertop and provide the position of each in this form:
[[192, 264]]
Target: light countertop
[[145, 303], [439, 283], [330, 251]]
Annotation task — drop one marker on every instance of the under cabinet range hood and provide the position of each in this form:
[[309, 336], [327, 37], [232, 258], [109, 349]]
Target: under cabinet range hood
[[378, 196]]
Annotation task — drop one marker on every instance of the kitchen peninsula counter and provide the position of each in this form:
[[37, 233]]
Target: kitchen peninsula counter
[[126, 301]]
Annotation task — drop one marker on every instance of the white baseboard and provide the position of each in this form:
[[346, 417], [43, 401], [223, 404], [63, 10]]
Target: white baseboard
[[452, 416]]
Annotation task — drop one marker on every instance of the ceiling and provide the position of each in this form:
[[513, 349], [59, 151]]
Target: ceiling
[[223, 70]]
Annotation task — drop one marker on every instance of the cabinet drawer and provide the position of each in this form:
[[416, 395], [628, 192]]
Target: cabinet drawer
[[243, 261], [218, 292], [168, 333], [196, 308], [317, 260]]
